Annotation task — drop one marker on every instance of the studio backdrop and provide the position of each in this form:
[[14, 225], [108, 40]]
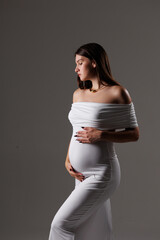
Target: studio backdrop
[[38, 40]]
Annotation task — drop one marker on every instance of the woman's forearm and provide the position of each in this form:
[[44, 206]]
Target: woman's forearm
[[119, 136], [67, 157]]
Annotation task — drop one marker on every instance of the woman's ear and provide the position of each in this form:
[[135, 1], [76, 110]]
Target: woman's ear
[[93, 64]]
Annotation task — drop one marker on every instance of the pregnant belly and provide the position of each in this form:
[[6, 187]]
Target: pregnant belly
[[85, 156]]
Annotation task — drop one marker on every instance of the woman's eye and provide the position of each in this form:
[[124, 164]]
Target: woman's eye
[[80, 63]]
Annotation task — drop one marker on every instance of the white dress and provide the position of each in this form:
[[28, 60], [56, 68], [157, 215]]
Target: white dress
[[86, 213]]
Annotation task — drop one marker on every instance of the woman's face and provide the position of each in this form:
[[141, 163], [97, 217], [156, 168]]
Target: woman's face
[[84, 67]]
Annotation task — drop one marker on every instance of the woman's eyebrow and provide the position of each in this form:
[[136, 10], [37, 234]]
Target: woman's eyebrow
[[80, 59]]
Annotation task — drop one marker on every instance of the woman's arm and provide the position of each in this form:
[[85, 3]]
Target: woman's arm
[[71, 170], [127, 135], [92, 135], [75, 96], [67, 157]]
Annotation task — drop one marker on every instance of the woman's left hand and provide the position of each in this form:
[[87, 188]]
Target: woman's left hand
[[90, 135]]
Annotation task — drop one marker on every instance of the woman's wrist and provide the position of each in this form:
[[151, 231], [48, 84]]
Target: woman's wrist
[[103, 135], [67, 160]]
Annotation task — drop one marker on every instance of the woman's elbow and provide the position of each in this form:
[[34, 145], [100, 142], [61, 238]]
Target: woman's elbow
[[136, 133]]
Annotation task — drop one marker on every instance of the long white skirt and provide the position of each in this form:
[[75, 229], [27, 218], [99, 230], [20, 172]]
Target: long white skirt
[[86, 213]]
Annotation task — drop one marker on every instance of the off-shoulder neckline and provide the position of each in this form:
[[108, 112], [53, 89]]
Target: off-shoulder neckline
[[127, 104]]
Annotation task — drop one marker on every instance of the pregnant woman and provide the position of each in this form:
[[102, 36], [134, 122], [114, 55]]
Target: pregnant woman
[[102, 113]]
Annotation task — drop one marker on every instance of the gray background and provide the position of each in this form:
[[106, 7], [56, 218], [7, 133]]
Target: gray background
[[38, 40]]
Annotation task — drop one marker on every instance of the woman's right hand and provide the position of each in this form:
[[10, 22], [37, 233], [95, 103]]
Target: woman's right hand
[[72, 171]]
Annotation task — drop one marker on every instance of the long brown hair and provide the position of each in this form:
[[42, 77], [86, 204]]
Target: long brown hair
[[96, 52]]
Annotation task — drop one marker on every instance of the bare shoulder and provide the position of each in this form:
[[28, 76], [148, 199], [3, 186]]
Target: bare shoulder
[[121, 94], [76, 94]]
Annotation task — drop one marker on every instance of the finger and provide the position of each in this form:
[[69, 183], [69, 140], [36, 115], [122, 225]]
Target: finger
[[78, 175], [80, 133], [81, 178], [82, 139], [74, 173], [83, 131]]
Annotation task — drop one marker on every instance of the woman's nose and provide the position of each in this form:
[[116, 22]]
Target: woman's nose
[[76, 69]]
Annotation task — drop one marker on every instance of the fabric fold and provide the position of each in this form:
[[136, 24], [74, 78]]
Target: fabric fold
[[104, 116]]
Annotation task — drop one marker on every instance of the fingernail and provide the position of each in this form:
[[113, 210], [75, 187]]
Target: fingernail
[[75, 135]]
